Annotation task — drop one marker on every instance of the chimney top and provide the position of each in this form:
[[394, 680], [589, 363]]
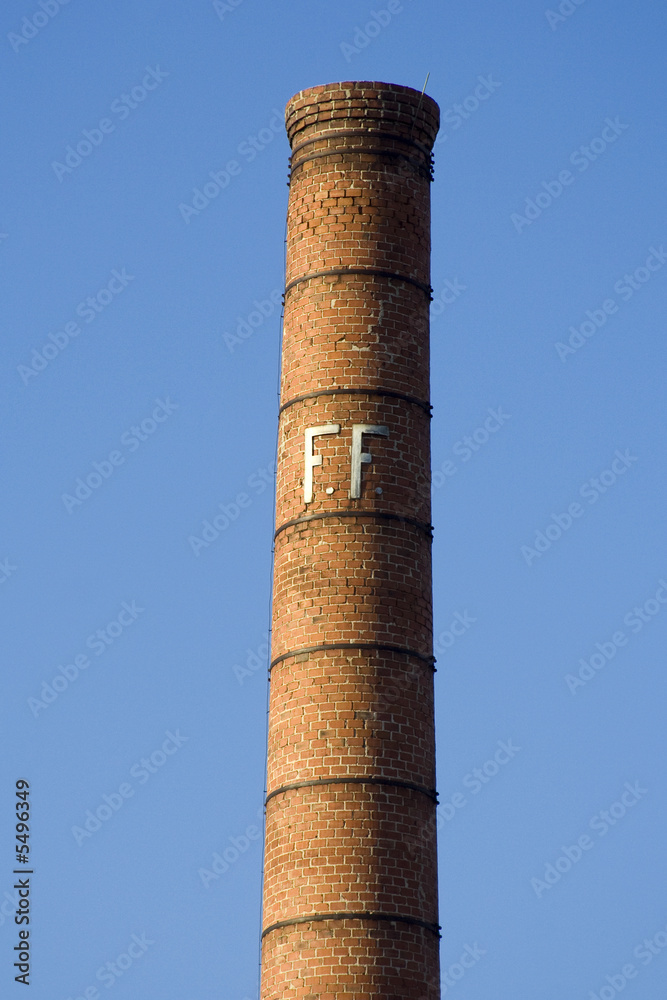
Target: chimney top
[[364, 106]]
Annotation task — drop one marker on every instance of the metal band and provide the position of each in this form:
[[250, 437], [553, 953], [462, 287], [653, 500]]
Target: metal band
[[361, 133], [386, 646], [425, 405], [423, 169], [375, 272], [430, 792], [364, 915], [384, 515]]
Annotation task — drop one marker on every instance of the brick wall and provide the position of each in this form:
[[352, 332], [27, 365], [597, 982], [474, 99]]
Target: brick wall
[[350, 893]]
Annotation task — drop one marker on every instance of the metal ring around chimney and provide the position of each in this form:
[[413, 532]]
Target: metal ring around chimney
[[361, 134], [423, 526], [373, 272], [364, 915], [379, 391], [383, 646], [370, 780], [421, 168]]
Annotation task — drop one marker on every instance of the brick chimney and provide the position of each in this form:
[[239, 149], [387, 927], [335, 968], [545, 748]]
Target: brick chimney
[[350, 885]]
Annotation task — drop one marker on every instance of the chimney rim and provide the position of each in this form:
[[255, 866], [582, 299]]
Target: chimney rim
[[340, 103]]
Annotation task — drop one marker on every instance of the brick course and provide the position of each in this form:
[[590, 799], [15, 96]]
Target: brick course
[[351, 757]]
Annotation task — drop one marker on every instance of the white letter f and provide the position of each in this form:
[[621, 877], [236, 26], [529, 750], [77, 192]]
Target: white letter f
[[311, 459]]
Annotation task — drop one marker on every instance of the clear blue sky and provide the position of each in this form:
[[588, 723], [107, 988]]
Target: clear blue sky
[[140, 349]]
